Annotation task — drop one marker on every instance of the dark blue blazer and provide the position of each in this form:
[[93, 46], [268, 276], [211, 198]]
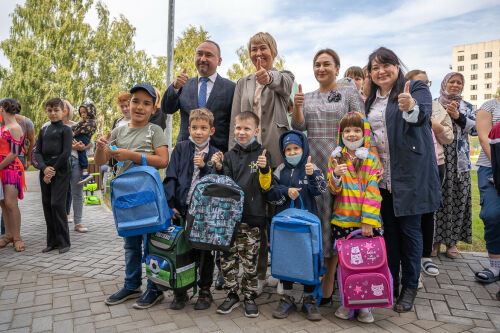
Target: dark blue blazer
[[219, 102], [415, 184]]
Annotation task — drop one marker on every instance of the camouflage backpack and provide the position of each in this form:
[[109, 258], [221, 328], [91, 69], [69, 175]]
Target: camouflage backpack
[[214, 214]]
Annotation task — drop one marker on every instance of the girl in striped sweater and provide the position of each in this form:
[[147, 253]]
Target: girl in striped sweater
[[352, 179]]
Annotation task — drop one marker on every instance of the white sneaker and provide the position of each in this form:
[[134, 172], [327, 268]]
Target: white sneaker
[[342, 313], [279, 289], [260, 286], [365, 316]]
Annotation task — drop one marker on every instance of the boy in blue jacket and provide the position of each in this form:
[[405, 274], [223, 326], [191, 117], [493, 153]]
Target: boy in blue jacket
[[296, 176], [188, 164]]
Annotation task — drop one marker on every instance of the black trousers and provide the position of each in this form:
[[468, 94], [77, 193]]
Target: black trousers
[[288, 285], [428, 223], [54, 197]]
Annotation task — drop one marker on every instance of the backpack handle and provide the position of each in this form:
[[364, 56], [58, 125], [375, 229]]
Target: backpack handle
[[356, 234], [292, 203]]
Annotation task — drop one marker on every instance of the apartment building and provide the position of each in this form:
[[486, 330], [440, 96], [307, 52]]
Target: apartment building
[[480, 65]]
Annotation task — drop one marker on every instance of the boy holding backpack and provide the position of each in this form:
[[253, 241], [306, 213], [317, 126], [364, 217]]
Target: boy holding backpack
[[189, 163], [296, 176], [133, 142], [241, 164]]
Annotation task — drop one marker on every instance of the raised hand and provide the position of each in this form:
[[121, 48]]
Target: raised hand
[[181, 79], [452, 109], [294, 192], [298, 99], [309, 167], [262, 76], [405, 101], [340, 169], [262, 160], [198, 160]]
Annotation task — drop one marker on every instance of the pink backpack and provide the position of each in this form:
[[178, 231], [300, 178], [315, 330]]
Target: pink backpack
[[363, 274]]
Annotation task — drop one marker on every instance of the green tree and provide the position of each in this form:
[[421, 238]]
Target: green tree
[[498, 92], [246, 67]]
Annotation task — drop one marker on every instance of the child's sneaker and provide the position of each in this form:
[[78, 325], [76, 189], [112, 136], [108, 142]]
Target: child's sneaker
[[365, 316], [179, 301], [148, 299], [286, 304], [343, 313], [310, 308], [251, 308], [85, 178], [231, 302], [122, 295]]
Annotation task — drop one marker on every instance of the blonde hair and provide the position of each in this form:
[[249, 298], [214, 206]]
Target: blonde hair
[[202, 114], [68, 105], [264, 38]]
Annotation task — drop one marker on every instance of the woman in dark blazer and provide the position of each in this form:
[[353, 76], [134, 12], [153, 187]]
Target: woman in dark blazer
[[399, 112]]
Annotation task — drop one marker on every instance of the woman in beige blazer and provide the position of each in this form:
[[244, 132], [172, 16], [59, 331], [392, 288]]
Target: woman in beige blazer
[[266, 93]]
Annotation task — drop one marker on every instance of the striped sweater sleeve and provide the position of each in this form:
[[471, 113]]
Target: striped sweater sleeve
[[370, 211]]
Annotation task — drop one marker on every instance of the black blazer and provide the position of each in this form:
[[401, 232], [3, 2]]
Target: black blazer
[[219, 102]]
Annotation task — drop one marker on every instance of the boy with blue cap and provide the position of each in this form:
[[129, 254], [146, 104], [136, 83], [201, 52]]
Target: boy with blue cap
[[134, 141], [297, 176]]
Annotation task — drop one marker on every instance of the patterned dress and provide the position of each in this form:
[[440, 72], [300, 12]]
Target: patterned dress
[[321, 120], [454, 218], [13, 173]]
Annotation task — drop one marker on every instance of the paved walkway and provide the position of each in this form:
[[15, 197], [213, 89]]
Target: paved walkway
[[65, 293]]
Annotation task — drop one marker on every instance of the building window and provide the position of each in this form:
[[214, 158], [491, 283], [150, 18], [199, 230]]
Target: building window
[[488, 65], [487, 85], [473, 87], [487, 75], [487, 96], [473, 77], [473, 67], [473, 56], [473, 97], [488, 54], [461, 58], [460, 68]]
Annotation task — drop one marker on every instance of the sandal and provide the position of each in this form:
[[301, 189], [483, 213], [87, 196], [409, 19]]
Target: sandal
[[81, 228], [430, 268], [452, 252], [405, 300], [490, 276], [435, 250], [18, 245], [6, 240]]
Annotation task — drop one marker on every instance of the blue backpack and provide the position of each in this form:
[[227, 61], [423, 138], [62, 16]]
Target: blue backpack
[[296, 247], [138, 201]]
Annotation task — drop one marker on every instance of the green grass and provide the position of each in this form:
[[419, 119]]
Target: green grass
[[478, 244]]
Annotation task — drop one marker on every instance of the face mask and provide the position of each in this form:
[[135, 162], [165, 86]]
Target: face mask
[[204, 143], [353, 145], [252, 140], [294, 160]]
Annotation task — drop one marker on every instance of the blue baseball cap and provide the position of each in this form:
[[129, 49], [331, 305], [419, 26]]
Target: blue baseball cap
[[292, 138], [144, 86]]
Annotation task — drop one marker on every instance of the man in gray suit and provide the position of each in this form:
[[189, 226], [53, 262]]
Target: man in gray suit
[[208, 89]]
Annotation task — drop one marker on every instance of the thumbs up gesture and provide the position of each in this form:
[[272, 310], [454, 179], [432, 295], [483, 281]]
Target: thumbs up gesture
[[198, 160], [340, 169], [262, 159], [309, 167], [262, 76], [181, 79], [405, 101], [298, 99]]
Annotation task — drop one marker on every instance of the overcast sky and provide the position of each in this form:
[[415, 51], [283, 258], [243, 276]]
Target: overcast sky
[[421, 32]]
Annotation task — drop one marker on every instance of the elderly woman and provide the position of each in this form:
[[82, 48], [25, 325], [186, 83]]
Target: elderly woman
[[319, 112], [267, 94], [399, 112], [487, 117], [454, 218]]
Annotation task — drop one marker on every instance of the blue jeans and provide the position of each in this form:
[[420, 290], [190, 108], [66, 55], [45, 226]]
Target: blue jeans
[[133, 264], [490, 209], [403, 241], [82, 154]]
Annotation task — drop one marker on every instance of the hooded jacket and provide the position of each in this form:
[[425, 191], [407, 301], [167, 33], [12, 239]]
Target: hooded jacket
[[494, 139], [286, 176], [357, 196], [241, 165], [180, 173], [87, 127]]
